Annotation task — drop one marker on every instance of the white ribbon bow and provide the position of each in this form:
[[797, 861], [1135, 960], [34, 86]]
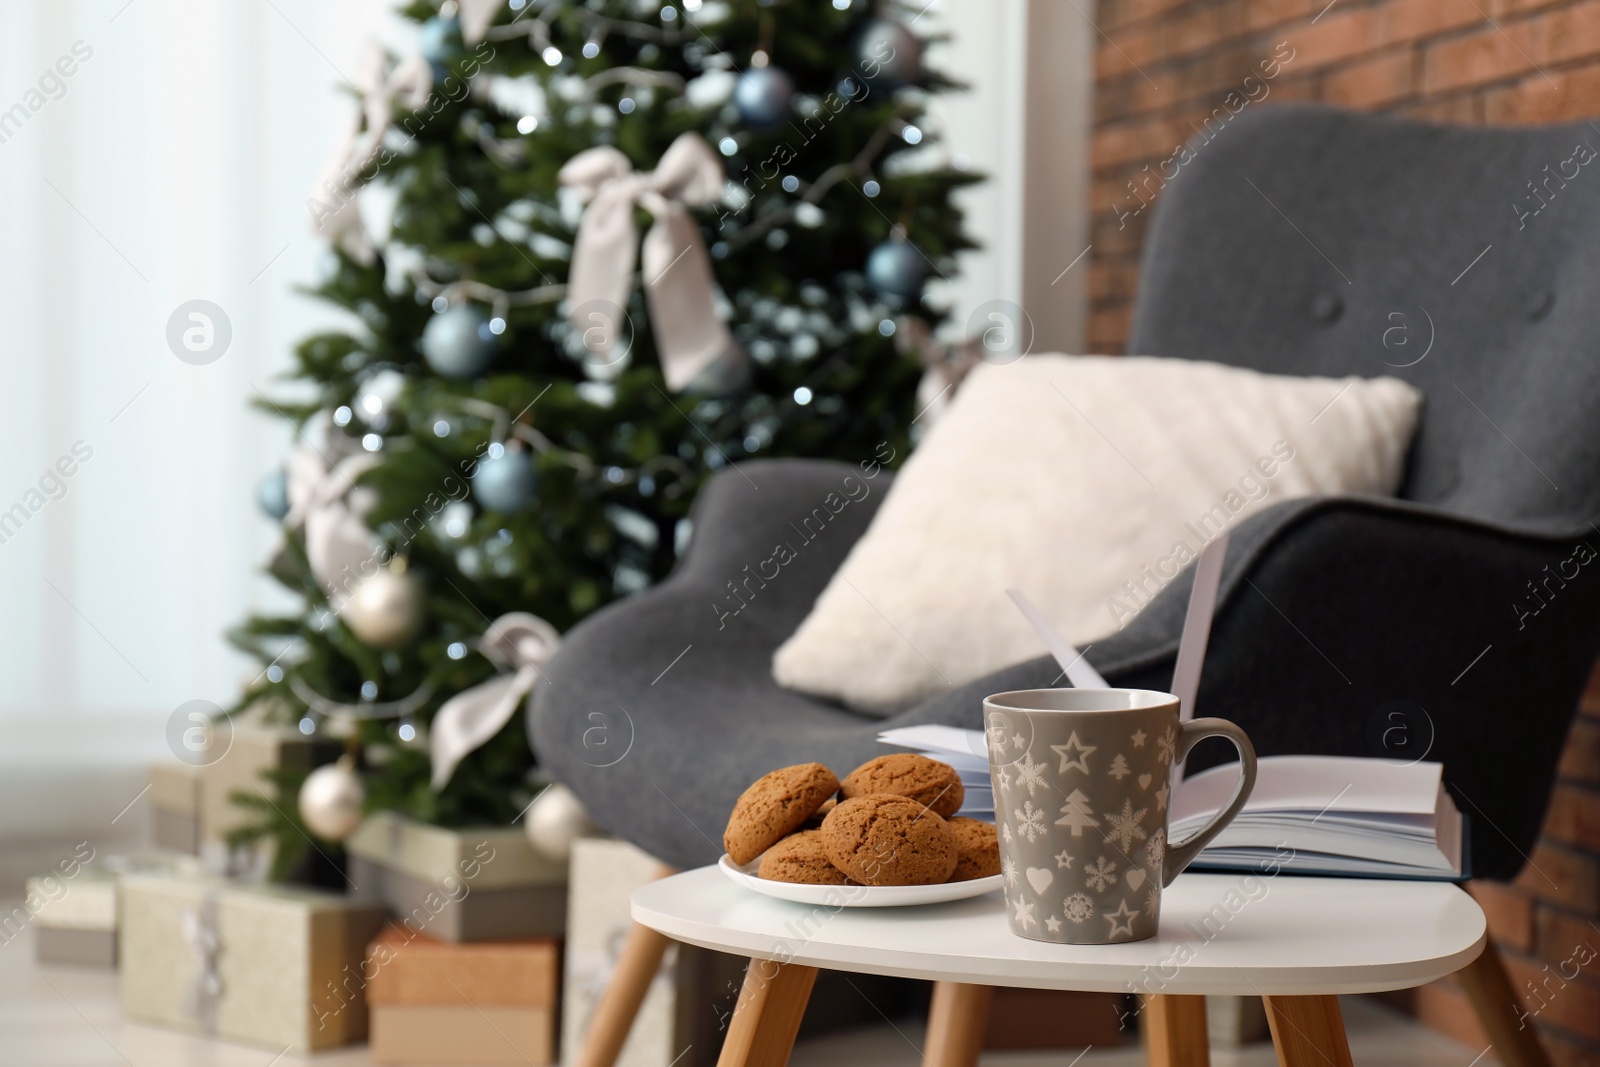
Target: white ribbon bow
[[333, 199], [476, 18], [518, 641], [675, 268], [199, 927], [339, 546]]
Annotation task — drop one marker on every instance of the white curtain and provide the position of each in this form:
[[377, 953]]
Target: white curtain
[[152, 152]]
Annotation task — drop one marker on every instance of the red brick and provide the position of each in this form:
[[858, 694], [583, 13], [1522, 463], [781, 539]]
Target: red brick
[[1558, 933], [1572, 1005], [1510, 913], [1580, 759], [1108, 330], [1411, 20], [1127, 52], [1486, 56], [1200, 30], [1265, 14], [1117, 13], [1337, 36], [1574, 817], [1563, 876], [1383, 79]]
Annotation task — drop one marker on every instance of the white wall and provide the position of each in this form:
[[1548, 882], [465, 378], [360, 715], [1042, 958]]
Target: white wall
[[1025, 122]]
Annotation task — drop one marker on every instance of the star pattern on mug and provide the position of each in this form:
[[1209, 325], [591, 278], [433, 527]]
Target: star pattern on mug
[[1063, 861], [1121, 920], [1052, 924], [1139, 739], [1074, 754]]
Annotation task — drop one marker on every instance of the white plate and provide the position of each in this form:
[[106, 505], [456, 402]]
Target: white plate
[[857, 896]]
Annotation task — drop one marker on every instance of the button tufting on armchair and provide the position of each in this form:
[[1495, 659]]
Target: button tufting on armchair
[[1301, 240]]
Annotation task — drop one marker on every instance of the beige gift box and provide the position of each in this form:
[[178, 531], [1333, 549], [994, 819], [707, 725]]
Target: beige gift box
[[268, 965], [175, 807], [474, 884]]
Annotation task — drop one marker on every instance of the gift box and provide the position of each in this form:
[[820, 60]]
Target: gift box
[[686, 1012], [175, 807], [265, 965], [74, 918], [254, 749], [438, 1002], [458, 885]]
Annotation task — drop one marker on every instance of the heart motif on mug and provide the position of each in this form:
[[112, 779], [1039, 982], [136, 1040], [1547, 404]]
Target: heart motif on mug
[[1144, 781], [1134, 878], [1040, 878]]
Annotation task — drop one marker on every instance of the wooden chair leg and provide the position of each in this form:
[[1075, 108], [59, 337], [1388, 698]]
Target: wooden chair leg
[[1175, 1031], [1308, 1031], [1489, 988], [614, 1013], [767, 1017], [956, 1022]]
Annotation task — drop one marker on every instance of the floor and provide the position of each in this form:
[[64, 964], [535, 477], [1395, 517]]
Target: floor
[[67, 1017]]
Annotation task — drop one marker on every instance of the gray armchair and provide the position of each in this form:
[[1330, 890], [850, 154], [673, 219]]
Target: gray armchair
[[1302, 240]]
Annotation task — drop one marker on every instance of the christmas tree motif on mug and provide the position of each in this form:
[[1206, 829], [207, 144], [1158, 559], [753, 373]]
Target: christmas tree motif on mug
[[1076, 814], [1119, 767]]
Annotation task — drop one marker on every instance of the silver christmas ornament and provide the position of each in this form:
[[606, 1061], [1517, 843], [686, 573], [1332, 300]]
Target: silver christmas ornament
[[385, 609], [331, 799], [762, 96], [457, 342], [273, 494], [896, 269], [506, 482], [888, 55], [556, 820]]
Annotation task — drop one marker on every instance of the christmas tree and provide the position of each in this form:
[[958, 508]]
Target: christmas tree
[[525, 403]]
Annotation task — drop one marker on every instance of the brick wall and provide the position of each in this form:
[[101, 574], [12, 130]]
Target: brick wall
[[1165, 64], [1162, 67]]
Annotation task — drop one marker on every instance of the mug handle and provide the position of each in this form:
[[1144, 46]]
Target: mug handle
[[1180, 856]]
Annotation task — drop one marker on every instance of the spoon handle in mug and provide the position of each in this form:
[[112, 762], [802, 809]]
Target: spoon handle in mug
[[1180, 856]]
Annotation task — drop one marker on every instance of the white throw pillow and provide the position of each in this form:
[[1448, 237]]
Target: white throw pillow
[[1088, 482]]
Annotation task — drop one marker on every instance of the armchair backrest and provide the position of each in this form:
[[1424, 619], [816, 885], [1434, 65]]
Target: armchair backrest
[[1301, 239]]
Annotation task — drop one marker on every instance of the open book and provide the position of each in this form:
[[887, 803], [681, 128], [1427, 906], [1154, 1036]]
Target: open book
[[1338, 815]]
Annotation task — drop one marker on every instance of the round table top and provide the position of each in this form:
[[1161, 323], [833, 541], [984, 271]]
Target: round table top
[[1220, 933]]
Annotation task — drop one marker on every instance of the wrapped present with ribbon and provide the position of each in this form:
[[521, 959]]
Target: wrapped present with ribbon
[[263, 965]]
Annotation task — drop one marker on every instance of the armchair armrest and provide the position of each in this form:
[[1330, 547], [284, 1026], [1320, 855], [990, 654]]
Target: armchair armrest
[[1338, 612]]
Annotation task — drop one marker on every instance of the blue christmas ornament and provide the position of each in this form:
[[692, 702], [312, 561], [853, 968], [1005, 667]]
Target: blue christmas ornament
[[273, 494], [762, 96], [506, 482], [896, 269], [440, 40], [458, 343]]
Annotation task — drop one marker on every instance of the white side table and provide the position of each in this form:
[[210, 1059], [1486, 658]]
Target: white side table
[[1296, 942]]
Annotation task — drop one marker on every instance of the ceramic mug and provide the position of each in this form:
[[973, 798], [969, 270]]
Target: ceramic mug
[[1082, 780]]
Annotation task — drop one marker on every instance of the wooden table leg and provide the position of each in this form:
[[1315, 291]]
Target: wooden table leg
[[619, 1002], [767, 1017], [1489, 988], [956, 1021], [1175, 1031], [1308, 1031]]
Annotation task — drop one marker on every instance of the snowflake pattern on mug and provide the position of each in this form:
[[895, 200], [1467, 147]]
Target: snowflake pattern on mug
[[1123, 829], [1030, 821], [1101, 876], [1167, 746], [1156, 850], [1030, 773], [1024, 912], [1008, 867], [1077, 908]]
